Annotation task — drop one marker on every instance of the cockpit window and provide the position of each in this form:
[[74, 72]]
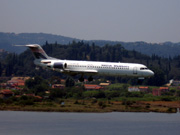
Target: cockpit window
[[144, 68]]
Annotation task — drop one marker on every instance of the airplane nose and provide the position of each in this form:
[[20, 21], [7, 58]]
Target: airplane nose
[[151, 73]]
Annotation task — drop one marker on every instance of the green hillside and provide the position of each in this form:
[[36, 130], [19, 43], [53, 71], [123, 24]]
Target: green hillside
[[7, 40]]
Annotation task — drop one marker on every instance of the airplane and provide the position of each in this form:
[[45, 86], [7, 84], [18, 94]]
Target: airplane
[[75, 67]]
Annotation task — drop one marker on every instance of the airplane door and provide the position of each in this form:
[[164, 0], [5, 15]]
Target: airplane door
[[135, 70]]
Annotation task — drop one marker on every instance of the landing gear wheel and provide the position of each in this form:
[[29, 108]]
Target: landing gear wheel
[[90, 79], [140, 81], [81, 79]]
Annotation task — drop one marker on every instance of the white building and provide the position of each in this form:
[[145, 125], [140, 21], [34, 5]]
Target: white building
[[133, 89]]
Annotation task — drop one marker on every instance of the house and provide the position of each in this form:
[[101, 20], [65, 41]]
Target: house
[[17, 82], [6, 94], [133, 89], [29, 95], [63, 81], [3, 85], [104, 84], [144, 89], [93, 87], [164, 89], [175, 82], [60, 86], [20, 78], [158, 92]]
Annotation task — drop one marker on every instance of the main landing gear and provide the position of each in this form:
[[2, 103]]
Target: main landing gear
[[90, 79], [140, 80], [81, 79]]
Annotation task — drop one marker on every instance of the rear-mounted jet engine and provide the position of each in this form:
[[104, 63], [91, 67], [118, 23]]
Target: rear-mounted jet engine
[[59, 65]]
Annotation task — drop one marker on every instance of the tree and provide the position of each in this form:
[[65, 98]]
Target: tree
[[0, 69], [158, 79], [69, 82], [37, 85], [55, 80], [178, 93], [57, 93]]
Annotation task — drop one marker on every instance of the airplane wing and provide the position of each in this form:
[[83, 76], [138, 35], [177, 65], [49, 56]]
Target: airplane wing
[[80, 72]]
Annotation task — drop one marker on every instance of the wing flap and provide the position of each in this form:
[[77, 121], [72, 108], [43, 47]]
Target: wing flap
[[82, 71]]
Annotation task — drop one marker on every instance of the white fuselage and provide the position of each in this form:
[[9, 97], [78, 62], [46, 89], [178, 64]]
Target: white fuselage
[[101, 68]]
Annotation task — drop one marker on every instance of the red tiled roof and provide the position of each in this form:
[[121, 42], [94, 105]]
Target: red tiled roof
[[58, 86], [18, 82], [39, 97], [6, 92], [156, 92], [163, 88], [143, 87], [30, 95], [133, 88], [92, 86]]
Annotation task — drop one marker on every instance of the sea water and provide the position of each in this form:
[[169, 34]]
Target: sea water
[[115, 123]]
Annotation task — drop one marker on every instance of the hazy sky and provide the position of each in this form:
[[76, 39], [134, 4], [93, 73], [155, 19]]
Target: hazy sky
[[117, 20]]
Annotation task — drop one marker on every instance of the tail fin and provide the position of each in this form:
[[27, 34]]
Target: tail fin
[[37, 51]]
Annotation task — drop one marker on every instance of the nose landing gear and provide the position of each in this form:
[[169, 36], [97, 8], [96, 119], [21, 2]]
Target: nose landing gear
[[140, 80]]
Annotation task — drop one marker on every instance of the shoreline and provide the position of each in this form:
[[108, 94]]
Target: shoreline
[[82, 106]]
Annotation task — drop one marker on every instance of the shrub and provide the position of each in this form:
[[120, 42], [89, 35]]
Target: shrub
[[101, 104]]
